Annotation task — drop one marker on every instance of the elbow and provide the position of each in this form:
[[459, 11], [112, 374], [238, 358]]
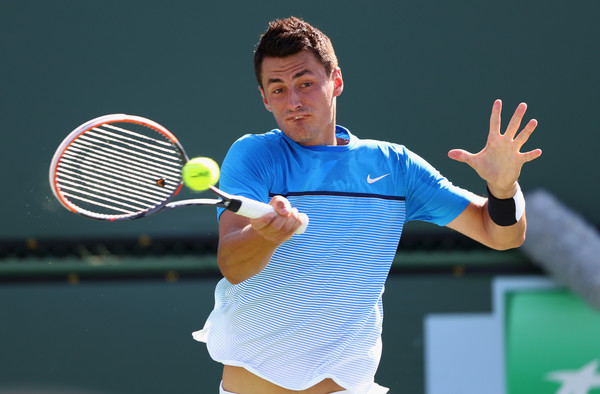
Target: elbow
[[509, 244], [234, 280], [235, 269], [228, 271], [520, 241], [231, 278]]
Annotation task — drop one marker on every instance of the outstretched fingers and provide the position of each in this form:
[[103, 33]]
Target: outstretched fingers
[[515, 121], [495, 118], [524, 135]]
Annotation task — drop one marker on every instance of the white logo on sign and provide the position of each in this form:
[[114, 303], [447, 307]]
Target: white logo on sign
[[577, 382]]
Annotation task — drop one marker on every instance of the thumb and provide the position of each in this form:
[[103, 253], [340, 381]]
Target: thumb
[[281, 205], [460, 155], [532, 155]]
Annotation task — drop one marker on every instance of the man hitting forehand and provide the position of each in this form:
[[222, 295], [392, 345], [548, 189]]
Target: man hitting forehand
[[303, 313]]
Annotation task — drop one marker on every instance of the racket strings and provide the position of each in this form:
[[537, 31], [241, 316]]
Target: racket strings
[[116, 170], [117, 189], [154, 151], [121, 161]]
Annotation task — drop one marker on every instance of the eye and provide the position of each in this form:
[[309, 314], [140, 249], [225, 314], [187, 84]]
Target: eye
[[278, 90], [306, 84]]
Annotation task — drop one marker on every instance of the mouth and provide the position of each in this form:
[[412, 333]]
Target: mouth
[[297, 117]]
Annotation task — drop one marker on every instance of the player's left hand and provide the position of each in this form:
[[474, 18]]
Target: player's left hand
[[499, 163]]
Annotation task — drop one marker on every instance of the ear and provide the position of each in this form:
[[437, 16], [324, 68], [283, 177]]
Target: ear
[[338, 82], [264, 99]]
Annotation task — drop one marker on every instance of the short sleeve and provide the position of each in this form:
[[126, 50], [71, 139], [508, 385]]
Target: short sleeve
[[245, 169], [431, 197]]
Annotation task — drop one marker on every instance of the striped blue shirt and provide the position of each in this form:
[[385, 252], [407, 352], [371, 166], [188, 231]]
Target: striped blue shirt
[[315, 311]]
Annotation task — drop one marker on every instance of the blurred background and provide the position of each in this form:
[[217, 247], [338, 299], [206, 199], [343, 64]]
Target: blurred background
[[93, 307]]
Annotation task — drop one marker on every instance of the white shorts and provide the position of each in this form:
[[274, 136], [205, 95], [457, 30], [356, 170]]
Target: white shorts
[[223, 391]]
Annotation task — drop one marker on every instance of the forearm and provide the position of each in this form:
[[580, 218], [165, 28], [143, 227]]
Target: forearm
[[504, 215], [476, 223], [246, 245], [243, 253], [503, 237]]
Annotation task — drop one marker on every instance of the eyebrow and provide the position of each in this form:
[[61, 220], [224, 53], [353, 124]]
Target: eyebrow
[[296, 76]]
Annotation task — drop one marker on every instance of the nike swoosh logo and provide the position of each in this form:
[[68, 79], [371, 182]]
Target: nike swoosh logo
[[373, 180]]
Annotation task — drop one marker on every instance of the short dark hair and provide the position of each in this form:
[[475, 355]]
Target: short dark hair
[[286, 37]]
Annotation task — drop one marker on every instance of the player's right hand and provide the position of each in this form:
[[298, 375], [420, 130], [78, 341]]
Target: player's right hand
[[279, 226]]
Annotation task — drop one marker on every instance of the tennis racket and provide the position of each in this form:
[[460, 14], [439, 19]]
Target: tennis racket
[[123, 167]]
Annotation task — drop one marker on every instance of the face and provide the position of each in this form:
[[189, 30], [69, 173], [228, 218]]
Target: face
[[302, 97]]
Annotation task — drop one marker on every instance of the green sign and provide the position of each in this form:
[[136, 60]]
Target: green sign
[[552, 343]]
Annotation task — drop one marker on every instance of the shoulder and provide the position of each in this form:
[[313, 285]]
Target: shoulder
[[390, 150], [254, 152], [258, 141], [256, 147], [407, 164]]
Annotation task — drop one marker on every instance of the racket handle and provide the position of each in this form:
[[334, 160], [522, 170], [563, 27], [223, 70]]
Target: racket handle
[[255, 209]]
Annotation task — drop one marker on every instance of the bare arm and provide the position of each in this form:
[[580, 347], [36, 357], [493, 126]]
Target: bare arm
[[246, 245], [475, 223], [499, 163]]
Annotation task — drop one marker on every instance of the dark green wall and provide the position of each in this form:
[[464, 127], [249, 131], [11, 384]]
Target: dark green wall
[[134, 336], [423, 74], [419, 73]]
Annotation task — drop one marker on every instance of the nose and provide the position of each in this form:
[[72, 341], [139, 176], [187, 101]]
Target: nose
[[294, 101]]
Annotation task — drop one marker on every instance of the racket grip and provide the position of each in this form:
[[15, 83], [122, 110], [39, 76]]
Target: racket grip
[[255, 209]]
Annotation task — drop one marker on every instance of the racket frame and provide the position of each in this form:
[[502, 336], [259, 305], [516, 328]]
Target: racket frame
[[96, 122]]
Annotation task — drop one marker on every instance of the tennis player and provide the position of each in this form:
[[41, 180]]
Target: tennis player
[[303, 313]]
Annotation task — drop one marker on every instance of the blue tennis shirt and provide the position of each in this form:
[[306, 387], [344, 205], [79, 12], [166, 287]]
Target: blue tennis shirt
[[315, 311]]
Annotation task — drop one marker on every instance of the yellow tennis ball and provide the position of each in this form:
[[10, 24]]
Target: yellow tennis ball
[[199, 173]]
